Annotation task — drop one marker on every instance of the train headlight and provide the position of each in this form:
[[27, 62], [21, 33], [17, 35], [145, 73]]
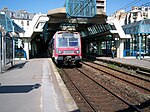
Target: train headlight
[[77, 51], [60, 52]]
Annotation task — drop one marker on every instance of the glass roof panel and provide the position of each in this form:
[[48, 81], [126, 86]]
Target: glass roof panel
[[81, 8], [8, 24], [137, 27]]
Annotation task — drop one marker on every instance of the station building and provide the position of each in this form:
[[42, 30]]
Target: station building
[[17, 34], [32, 24], [128, 31], [24, 20], [8, 30], [32, 39]]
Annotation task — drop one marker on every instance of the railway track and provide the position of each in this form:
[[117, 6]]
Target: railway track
[[96, 94], [140, 76], [139, 83]]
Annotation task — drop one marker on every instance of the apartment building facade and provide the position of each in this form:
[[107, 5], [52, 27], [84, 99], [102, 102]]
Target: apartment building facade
[[32, 25], [23, 19], [101, 5]]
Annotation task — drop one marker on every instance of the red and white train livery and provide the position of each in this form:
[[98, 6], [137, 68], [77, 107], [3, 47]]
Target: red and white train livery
[[65, 48]]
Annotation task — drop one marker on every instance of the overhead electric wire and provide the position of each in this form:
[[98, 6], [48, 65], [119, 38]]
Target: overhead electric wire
[[146, 4], [130, 4]]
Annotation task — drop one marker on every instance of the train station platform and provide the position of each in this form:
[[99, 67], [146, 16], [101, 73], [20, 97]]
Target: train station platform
[[34, 86], [140, 65]]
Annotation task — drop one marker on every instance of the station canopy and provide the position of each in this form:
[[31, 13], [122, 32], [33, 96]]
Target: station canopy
[[103, 29], [58, 20], [138, 27], [81, 8], [9, 25]]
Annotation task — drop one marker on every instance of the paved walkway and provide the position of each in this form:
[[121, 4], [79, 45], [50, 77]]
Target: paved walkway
[[34, 86]]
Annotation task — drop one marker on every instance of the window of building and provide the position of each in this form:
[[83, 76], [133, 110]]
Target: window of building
[[135, 14], [27, 16], [12, 15], [18, 15], [22, 23], [140, 8], [146, 9], [40, 25], [27, 23]]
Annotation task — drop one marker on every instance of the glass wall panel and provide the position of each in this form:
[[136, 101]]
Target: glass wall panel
[[9, 50], [131, 46]]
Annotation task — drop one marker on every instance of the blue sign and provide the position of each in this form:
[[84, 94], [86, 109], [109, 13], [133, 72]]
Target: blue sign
[[81, 8]]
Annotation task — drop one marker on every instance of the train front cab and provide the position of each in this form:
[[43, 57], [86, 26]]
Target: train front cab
[[67, 47]]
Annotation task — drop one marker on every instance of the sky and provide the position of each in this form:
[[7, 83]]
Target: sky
[[36, 6]]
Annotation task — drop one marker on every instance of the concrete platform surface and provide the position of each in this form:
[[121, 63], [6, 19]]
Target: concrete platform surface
[[143, 64], [34, 86]]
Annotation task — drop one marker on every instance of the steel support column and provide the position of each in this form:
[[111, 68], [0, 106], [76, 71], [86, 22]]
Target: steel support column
[[140, 45]]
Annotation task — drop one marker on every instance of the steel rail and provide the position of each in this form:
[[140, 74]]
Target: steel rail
[[141, 87], [120, 71], [130, 105], [88, 102]]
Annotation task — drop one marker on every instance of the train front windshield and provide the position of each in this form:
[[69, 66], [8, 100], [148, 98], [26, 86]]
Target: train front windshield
[[68, 41]]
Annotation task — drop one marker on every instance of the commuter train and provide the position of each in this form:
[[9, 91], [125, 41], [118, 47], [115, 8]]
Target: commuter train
[[65, 48]]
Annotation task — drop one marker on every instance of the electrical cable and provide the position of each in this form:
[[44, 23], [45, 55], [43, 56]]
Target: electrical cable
[[130, 4], [145, 5]]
